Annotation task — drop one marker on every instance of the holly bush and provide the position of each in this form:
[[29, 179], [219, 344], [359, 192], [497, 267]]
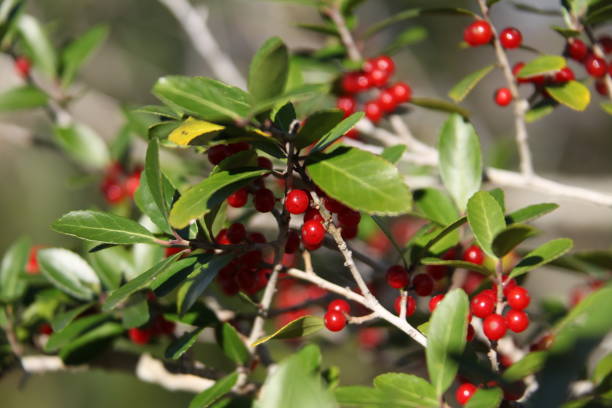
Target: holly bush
[[273, 220]]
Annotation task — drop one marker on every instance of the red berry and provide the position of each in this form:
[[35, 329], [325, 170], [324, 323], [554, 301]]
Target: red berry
[[378, 77], [297, 201], [410, 305], [236, 233], [222, 238], [45, 329], [114, 193], [423, 284], [22, 66], [32, 266], [606, 43], [478, 33], [264, 163], [576, 49], [352, 134], [474, 255], [293, 242], [140, 336], [464, 393], [470, 333], [349, 82], [518, 298], [363, 82], [334, 320], [482, 305], [238, 198], [515, 71], [313, 233], [438, 272], [313, 214], [601, 87], [349, 232], [349, 217], [132, 182], [386, 100], [169, 251], [517, 320], [346, 104], [565, 74], [333, 206], [397, 277], [217, 154], [257, 238], [234, 148], [264, 200], [401, 92], [373, 111], [339, 305], [384, 63], [503, 97], [433, 302], [595, 66], [510, 38], [494, 327], [251, 259]]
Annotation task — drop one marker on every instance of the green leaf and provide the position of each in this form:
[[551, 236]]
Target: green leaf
[[22, 97], [435, 205], [82, 144], [212, 394], [103, 227], [38, 44], [69, 272], [12, 283], [79, 350], [545, 64], [234, 348], [407, 37], [529, 364], [393, 154], [542, 255], [360, 180], [539, 110], [460, 159], [572, 94], [603, 369], [111, 265], [292, 95], [179, 346], [446, 339], [512, 236], [486, 219], [202, 280], [155, 178], [71, 331], [145, 202], [269, 70], [300, 327], [440, 105], [607, 107], [338, 131], [203, 197], [77, 52], [465, 86], [136, 311], [142, 281], [486, 398], [64, 319], [530, 212], [318, 125], [446, 231], [203, 97], [456, 264]]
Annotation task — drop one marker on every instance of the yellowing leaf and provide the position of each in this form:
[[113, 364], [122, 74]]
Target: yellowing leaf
[[572, 94], [192, 128]]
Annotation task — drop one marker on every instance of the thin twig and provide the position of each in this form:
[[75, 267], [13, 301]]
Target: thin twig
[[345, 34]]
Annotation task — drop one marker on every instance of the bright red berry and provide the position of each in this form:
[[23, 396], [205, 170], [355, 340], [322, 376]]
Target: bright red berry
[[32, 266], [510, 38], [352, 134], [378, 77], [339, 305], [349, 82], [433, 302], [140, 336], [373, 111], [313, 214], [334, 320], [386, 100], [293, 242], [264, 163], [595, 66], [503, 97], [264, 200], [423, 284], [217, 154], [482, 305], [397, 277], [464, 393], [363, 82], [346, 104], [313, 233], [410, 305], [383, 63], [238, 198], [518, 298], [401, 92], [169, 251], [478, 33], [236, 233], [576, 49], [23, 66], [494, 327], [222, 237], [297, 201], [132, 182], [474, 255], [565, 74], [517, 320]]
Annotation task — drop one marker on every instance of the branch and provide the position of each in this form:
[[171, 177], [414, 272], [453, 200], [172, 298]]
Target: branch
[[345, 34], [193, 22]]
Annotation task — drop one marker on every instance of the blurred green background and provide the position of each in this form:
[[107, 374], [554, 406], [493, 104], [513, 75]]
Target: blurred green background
[[38, 185]]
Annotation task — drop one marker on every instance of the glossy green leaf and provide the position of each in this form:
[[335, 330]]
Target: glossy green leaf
[[318, 125], [160, 111], [199, 315], [300, 327], [82, 144], [12, 282], [360, 180], [202, 97], [71, 331], [212, 394], [77, 52], [338, 131], [269, 70], [179, 346], [155, 179], [203, 197], [22, 97], [530, 212], [135, 312], [544, 64], [572, 94], [72, 352], [103, 227], [486, 398], [446, 339], [410, 36], [603, 369], [111, 265], [232, 345], [445, 232], [440, 106], [465, 86], [435, 206], [69, 272], [529, 364], [393, 154], [509, 238], [145, 202], [460, 159], [38, 44], [456, 264], [293, 95], [539, 110], [542, 255], [486, 219], [199, 283], [64, 319]]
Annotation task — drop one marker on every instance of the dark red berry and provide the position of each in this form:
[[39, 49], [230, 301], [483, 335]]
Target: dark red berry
[[236, 233], [397, 277], [518, 298], [517, 320], [217, 154], [313, 233], [482, 305], [349, 217], [410, 305], [293, 242], [349, 232], [601, 87], [264, 200], [503, 97], [494, 327], [438, 272], [234, 148], [433, 302], [333, 206], [373, 111], [576, 49], [423, 284], [264, 163], [339, 305], [251, 259], [606, 43], [464, 393], [401, 92], [313, 214], [169, 251], [565, 74], [510, 38], [474, 255], [238, 198], [346, 104], [470, 333], [595, 66], [22, 66], [222, 238], [334, 320], [478, 33], [257, 238], [297, 201]]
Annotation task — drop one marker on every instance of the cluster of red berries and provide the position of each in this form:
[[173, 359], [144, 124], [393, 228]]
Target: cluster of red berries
[[512, 392], [118, 184], [595, 66], [336, 317], [480, 33], [23, 66], [143, 335], [375, 74]]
